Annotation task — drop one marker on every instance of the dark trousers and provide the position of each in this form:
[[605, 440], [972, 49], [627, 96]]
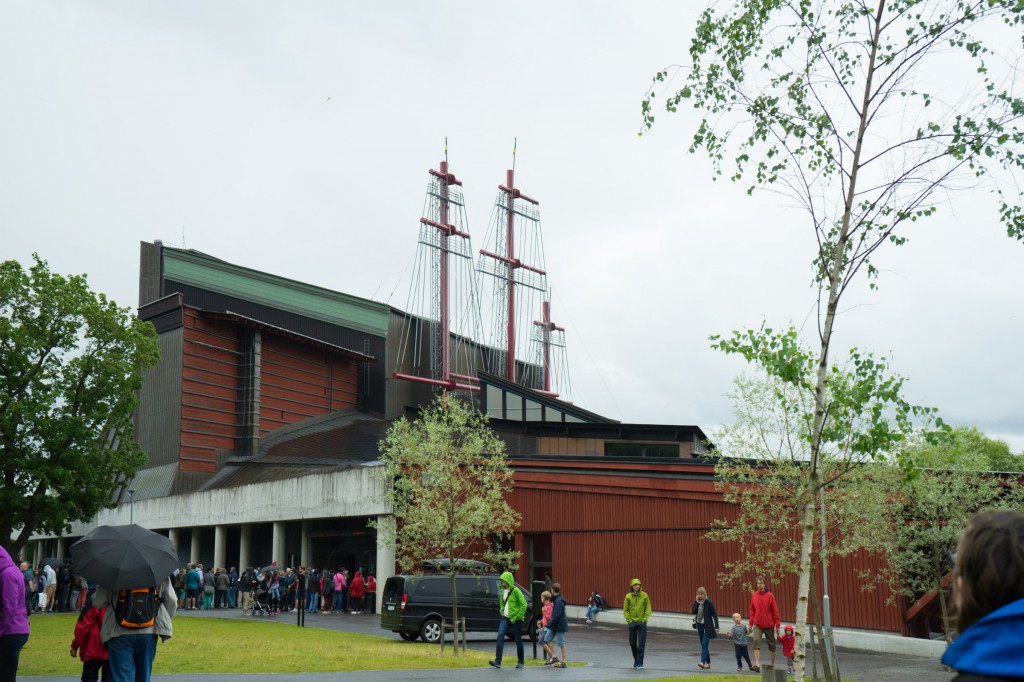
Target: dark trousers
[[10, 652], [131, 657], [637, 641], [91, 670], [371, 601], [741, 655], [517, 634]]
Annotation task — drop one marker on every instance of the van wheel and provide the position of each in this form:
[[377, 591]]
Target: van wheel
[[408, 636], [430, 631]]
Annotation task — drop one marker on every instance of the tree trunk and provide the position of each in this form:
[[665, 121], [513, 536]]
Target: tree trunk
[[836, 270], [819, 624]]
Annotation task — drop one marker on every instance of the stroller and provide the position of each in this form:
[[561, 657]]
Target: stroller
[[261, 602]]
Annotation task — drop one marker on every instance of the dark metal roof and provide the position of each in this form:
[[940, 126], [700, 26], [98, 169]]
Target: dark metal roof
[[253, 323]]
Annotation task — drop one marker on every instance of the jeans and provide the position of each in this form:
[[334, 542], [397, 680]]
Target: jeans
[[339, 600], [10, 651], [517, 634], [312, 599], [702, 633], [637, 641], [131, 657], [591, 612]]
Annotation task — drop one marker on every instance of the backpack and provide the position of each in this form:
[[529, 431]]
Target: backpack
[[136, 608]]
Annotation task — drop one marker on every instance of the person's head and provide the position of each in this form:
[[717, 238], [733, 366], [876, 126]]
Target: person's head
[[737, 618], [702, 594], [556, 589], [634, 585], [23, 566], [789, 629], [761, 584], [545, 597], [989, 566]]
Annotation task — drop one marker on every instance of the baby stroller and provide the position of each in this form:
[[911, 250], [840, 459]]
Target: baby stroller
[[261, 602]]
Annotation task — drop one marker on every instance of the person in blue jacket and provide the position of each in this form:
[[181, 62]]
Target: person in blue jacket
[[988, 599], [558, 624]]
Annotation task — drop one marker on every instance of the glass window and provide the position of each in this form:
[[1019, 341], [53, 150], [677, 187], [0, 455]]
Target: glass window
[[494, 402], [576, 420], [661, 450], [552, 415], [433, 587], [534, 411], [623, 450], [471, 587], [513, 407]]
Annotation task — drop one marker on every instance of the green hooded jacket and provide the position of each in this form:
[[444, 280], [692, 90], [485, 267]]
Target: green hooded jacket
[[636, 607], [516, 600]]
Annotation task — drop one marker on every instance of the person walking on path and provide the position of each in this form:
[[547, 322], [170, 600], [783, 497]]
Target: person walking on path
[[636, 608], [87, 646], [706, 619], [558, 624], [357, 590], [13, 617], [512, 607], [764, 622], [988, 598], [132, 650], [738, 634]]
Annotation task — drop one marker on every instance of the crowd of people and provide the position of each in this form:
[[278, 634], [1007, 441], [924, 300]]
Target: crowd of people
[[54, 589], [276, 589]]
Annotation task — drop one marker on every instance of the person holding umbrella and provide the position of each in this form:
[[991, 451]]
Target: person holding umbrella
[[120, 558], [13, 618]]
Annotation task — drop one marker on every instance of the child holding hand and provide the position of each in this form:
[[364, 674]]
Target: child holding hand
[[546, 636], [87, 646], [739, 642]]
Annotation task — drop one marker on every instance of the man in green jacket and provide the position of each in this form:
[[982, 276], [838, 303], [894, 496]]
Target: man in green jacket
[[512, 606], [636, 607]]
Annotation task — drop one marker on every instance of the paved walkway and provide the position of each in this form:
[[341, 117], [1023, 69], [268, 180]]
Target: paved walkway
[[604, 648]]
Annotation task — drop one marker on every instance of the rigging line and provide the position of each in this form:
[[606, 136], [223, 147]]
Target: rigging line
[[593, 362]]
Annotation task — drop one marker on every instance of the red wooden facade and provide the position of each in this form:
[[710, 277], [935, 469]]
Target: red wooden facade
[[296, 382], [602, 524]]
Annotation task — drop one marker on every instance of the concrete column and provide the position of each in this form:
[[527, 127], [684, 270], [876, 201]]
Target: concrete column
[[278, 543], [172, 535], [37, 559], [385, 556], [220, 541], [60, 548], [306, 551], [197, 537], [244, 547]]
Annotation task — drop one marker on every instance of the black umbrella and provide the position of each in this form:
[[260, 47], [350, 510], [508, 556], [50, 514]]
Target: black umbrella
[[53, 562], [124, 557], [272, 567]]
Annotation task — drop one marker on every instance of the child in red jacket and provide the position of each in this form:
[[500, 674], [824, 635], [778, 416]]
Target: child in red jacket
[[788, 642], [87, 646]]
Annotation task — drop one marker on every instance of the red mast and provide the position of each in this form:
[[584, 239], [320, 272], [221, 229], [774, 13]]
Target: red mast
[[546, 327]]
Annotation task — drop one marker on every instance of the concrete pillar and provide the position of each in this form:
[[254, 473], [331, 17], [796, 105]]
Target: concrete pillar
[[278, 544], [60, 549], [38, 558], [220, 541], [385, 556], [197, 538], [244, 547], [305, 549], [172, 535]]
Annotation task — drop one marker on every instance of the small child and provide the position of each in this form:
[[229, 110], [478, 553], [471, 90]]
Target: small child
[[87, 646], [739, 642], [788, 642], [546, 636]]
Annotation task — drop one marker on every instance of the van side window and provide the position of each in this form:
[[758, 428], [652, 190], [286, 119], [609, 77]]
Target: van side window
[[430, 587], [471, 587]]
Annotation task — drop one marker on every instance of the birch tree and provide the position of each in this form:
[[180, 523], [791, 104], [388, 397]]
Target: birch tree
[[447, 480], [829, 103]]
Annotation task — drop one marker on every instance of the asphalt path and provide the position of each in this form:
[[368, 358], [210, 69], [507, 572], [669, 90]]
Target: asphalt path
[[604, 648]]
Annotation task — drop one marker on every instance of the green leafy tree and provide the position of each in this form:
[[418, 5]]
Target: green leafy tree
[[447, 480], [971, 450], [825, 101], [71, 364]]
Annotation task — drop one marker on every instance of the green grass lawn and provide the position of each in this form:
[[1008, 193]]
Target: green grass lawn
[[213, 645]]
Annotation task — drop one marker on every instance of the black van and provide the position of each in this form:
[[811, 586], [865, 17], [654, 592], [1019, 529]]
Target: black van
[[413, 605]]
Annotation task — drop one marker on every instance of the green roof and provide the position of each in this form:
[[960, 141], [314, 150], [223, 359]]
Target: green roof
[[206, 272]]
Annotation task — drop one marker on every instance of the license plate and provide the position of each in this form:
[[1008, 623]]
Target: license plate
[[391, 607]]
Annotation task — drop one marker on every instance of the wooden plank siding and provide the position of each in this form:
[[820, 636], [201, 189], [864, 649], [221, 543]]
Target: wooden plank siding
[[633, 521]]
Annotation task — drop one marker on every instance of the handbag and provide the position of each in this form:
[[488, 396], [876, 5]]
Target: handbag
[[694, 624]]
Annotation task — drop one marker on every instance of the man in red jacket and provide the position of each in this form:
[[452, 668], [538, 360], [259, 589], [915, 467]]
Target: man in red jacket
[[764, 620]]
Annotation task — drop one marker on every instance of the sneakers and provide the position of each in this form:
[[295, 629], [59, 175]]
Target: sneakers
[[739, 669], [551, 661], [520, 665], [494, 664], [561, 664], [639, 667]]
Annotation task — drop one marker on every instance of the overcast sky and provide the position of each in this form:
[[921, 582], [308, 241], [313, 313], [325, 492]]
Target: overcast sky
[[295, 138]]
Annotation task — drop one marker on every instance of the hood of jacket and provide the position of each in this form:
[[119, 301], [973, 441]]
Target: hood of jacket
[[634, 581], [992, 645], [507, 580]]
